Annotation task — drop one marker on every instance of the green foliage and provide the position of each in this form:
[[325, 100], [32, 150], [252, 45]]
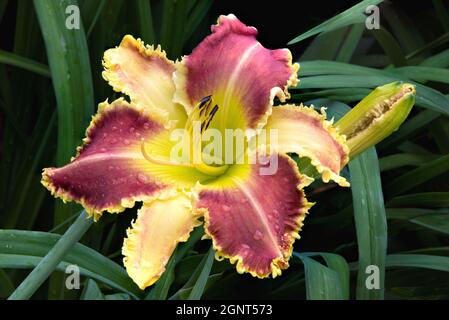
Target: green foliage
[[51, 82]]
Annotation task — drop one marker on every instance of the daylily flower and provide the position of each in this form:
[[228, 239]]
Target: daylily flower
[[229, 81]]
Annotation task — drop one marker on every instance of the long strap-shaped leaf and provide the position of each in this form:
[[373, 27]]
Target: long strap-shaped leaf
[[49, 263], [370, 220], [26, 249]]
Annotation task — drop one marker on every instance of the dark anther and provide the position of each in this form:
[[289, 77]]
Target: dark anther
[[204, 101], [212, 113]]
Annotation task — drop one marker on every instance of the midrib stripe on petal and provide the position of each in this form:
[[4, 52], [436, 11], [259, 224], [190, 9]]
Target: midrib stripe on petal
[[260, 214]]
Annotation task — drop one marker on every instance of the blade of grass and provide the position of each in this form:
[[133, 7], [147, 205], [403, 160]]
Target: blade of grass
[[403, 159], [196, 15], [418, 261], [426, 199], [15, 60], [322, 283], [200, 284], [350, 43], [355, 14], [442, 13], [390, 46], [417, 176], [338, 264], [91, 291], [49, 263], [370, 220], [162, 286], [146, 21], [25, 249]]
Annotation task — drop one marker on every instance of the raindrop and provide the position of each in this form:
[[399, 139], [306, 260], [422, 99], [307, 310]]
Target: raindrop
[[110, 168], [142, 178], [257, 235], [137, 134], [226, 208], [245, 246], [146, 125], [114, 128], [244, 200], [275, 213], [126, 142], [113, 141], [103, 150], [132, 129]]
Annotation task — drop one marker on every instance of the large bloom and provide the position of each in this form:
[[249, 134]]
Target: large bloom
[[229, 81]]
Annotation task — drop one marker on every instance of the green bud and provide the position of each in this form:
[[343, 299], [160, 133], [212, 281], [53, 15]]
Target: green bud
[[377, 116]]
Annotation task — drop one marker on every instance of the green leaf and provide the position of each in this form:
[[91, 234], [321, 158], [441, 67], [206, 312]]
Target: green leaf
[[146, 21], [338, 264], [403, 159], [25, 249], [162, 286], [13, 59], [434, 219], [355, 14], [423, 74], [68, 57], [91, 291], [200, 284], [418, 261], [328, 74], [390, 46], [427, 199], [418, 176], [370, 220], [322, 283]]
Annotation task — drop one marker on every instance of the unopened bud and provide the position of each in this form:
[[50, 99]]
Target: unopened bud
[[377, 116]]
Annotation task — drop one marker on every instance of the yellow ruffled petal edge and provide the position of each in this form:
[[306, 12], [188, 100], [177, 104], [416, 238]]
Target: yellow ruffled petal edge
[[145, 260], [278, 264], [128, 202], [147, 51], [326, 173]]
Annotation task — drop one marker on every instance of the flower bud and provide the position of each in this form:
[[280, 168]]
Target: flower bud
[[377, 116]]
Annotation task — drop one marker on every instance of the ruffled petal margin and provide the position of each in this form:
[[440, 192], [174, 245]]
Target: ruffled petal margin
[[110, 172], [251, 225], [304, 131], [159, 226], [240, 74], [145, 74]]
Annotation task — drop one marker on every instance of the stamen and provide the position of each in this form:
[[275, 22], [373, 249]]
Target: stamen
[[163, 162]]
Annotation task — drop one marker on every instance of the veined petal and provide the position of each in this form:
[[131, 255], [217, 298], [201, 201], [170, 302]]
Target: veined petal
[[240, 74], [250, 224], [304, 131], [145, 74], [159, 226], [110, 171]]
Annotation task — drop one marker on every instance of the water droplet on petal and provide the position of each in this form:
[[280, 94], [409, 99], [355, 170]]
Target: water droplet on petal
[[142, 178], [245, 247], [276, 227], [113, 141], [132, 129], [103, 150], [257, 235], [146, 125], [244, 200], [226, 208], [275, 213], [110, 168], [114, 128], [126, 142], [137, 134]]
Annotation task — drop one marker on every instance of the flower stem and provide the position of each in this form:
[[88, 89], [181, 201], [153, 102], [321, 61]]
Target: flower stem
[[49, 263]]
